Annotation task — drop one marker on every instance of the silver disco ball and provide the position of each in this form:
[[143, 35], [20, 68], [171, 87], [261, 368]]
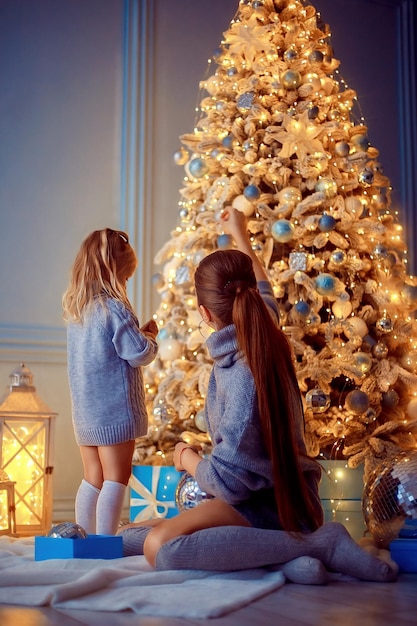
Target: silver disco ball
[[188, 494], [67, 530], [389, 501]]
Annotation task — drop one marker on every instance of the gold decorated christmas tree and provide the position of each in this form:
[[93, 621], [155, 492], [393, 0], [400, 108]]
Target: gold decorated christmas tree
[[279, 136]]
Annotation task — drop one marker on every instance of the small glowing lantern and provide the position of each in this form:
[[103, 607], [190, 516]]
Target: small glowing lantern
[[7, 505], [26, 434]]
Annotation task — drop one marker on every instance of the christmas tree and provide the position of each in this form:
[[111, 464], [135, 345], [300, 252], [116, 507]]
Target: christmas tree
[[280, 137]]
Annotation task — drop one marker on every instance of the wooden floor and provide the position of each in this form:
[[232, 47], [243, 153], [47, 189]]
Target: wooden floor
[[340, 603]]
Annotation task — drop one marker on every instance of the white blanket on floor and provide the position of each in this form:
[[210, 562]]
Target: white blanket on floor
[[125, 584]]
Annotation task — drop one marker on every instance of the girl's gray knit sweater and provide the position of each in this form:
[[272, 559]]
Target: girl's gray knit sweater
[[239, 470], [105, 355]]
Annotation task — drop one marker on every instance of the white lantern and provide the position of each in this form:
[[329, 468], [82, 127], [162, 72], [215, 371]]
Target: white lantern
[[26, 434]]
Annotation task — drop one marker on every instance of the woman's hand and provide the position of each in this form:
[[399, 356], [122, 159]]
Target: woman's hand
[[234, 223], [179, 456]]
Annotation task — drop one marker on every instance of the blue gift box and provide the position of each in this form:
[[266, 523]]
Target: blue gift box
[[152, 492], [404, 553], [92, 547]]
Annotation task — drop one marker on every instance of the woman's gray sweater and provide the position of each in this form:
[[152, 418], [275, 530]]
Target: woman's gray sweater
[[239, 470]]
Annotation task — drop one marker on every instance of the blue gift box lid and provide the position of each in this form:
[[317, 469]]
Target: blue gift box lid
[[404, 553], [92, 547]]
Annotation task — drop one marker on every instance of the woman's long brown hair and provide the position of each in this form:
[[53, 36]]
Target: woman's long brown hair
[[225, 283]]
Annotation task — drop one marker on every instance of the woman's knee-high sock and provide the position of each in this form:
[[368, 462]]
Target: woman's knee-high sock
[[133, 539], [239, 547]]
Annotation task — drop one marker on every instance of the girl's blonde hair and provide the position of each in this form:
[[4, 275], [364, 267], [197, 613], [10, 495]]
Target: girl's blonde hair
[[103, 264]]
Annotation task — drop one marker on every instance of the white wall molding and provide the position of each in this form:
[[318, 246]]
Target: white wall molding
[[137, 138], [32, 344]]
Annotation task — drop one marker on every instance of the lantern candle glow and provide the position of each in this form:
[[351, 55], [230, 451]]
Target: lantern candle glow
[[26, 434], [7, 505]]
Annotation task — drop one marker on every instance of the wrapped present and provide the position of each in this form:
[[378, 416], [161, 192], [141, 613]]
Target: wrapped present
[[404, 553], [92, 547], [152, 492]]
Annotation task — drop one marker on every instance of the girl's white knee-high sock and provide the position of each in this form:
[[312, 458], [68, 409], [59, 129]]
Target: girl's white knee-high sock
[[109, 507], [85, 506]]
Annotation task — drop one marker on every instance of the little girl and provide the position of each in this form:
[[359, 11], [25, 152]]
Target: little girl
[[106, 350]]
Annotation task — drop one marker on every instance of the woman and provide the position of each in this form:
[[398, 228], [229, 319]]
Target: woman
[[259, 473]]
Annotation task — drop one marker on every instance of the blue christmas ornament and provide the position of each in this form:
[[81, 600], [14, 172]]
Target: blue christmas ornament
[[357, 401], [290, 54], [228, 141], [291, 79], [302, 308], [380, 251], [313, 112], [282, 231], [366, 177], [361, 142], [326, 223], [158, 280], [232, 71], [316, 56], [224, 242], [198, 167], [342, 149], [245, 101], [390, 399], [251, 192], [338, 257], [163, 334], [325, 284]]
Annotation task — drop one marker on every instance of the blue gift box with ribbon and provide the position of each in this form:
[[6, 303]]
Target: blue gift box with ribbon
[[152, 492]]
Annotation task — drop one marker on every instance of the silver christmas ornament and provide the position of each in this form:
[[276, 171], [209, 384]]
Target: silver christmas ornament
[[188, 494], [380, 350], [385, 325], [298, 261], [163, 414], [389, 500], [317, 400], [338, 257], [366, 177], [357, 401], [67, 530], [245, 101]]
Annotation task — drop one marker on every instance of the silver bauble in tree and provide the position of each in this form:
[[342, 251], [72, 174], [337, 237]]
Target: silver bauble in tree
[[188, 494], [390, 497], [317, 400]]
